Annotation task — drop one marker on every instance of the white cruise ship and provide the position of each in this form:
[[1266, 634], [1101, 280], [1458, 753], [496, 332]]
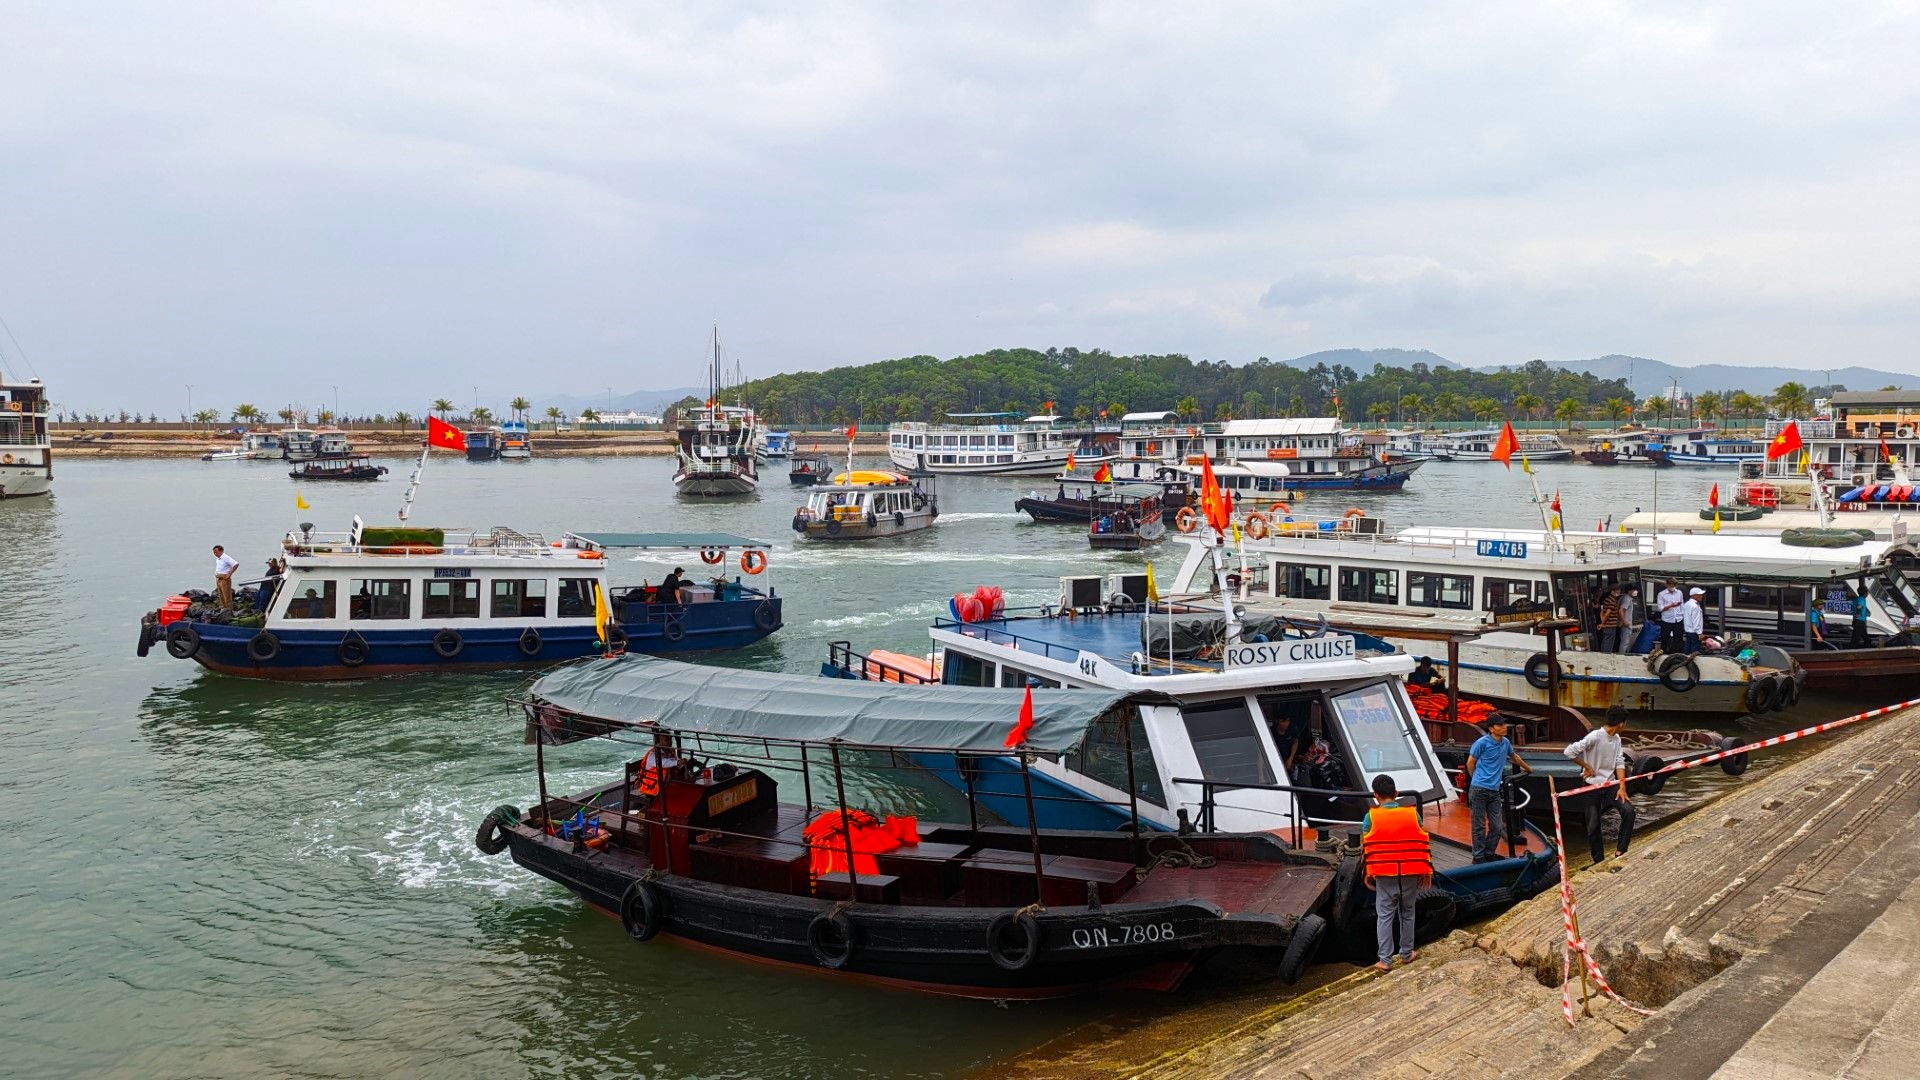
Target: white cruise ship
[[997, 443], [1279, 455], [26, 446], [1478, 446]]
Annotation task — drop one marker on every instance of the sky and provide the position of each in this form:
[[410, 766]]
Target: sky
[[418, 200]]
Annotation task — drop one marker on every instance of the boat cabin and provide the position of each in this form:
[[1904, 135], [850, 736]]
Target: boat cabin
[[330, 443], [867, 503]]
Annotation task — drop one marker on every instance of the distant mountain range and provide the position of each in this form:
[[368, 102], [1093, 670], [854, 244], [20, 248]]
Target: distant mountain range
[[1362, 360], [1652, 376], [641, 401]]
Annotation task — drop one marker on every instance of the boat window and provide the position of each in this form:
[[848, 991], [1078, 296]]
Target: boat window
[[1367, 585], [1502, 595], [314, 600], [1376, 729], [519, 598], [1439, 590], [1013, 676], [451, 600], [1754, 598], [1305, 582], [1226, 744], [380, 598], [1102, 755], [576, 598], [960, 669]]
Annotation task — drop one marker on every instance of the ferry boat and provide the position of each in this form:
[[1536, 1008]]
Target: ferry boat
[[1707, 450], [1302, 454], [381, 601], [1076, 498], [483, 444], [515, 443], [717, 832], [776, 445], [359, 467], [331, 443], [1478, 446], [866, 504], [808, 469], [26, 445], [1412, 443], [1125, 521], [1515, 578], [989, 443], [716, 451]]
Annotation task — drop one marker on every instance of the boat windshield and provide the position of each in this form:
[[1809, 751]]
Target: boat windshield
[[1226, 743], [1381, 739]]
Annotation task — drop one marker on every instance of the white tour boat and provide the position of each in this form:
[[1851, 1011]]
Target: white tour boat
[[1478, 446], [26, 444], [991, 444], [1279, 455]]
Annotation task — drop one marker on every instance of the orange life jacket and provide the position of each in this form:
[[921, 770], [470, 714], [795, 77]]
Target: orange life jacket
[[1395, 845]]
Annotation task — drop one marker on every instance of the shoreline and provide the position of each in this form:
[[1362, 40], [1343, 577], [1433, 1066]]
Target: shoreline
[[388, 445]]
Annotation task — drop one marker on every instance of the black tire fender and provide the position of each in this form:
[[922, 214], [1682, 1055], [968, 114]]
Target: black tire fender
[[643, 909], [1346, 890], [263, 647], [1010, 959], [1434, 909], [353, 650], [530, 643], [1679, 673], [1539, 671], [146, 638], [764, 616], [1736, 764], [448, 643], [617, 638], [1783, 693], [833, 525], [182, 641], [821, 935], [899, 518], [1302, 947], [674, 631], [1641, 784], [1759, 696], [491, 837], [799, 524]]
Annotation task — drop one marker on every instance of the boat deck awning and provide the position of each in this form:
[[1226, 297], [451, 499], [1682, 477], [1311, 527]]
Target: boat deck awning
[[639, 692], [678, 541]]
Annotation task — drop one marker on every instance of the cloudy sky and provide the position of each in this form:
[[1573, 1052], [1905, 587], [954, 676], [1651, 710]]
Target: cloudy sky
[[409, 200]]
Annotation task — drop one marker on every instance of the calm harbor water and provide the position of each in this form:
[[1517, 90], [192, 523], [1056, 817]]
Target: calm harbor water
[[213, 876]]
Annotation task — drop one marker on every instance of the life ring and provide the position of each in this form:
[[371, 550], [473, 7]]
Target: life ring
[[182, 641], [673, 630], [831, 953], [1013, 959], [353, 650], [1759, 696], [6, 459], [530, 642], [753, 561], [1256, 526], [1735, 764], [1673, 667], [1186, 520], [712, 556], [491, 837], [1640, 783], [14, 406], [1539, 671], [764, 617], [1280, 509], [617, 638], [448, 643], [589, 555], [642, 910], [1302, 947], [1354, 512], [263, 647], [1153, 448]]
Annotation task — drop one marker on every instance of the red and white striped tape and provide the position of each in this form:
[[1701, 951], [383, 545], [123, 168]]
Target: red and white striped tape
[[1575, 942], [1777, 740]]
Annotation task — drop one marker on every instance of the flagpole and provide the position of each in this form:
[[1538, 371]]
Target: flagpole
[[413, 485]]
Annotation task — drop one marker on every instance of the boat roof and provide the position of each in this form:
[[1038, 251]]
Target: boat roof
[[1136, 417], [639, 691], [1308, 425], [1244, 468], [1748, 557], [684, 541]]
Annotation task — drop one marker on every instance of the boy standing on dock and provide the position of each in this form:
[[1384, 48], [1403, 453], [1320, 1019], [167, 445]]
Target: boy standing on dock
[[1399, 863], [1598, 754], [1486, 771]]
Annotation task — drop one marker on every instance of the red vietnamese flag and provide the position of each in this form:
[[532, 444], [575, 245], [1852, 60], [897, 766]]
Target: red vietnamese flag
[[1505, 445], [1713, 497], [1025, 724], [1786, 442], [444, 435], [1885, 454], [1102, 475], [1069, 461], [1215, 504], [852, 430], [1555, 504]]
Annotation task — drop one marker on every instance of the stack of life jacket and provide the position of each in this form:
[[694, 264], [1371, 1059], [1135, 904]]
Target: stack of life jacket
[[1432, 705], [827, 838]]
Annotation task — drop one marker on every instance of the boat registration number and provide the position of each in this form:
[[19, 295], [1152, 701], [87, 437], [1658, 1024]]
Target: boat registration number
[[1100, 937]]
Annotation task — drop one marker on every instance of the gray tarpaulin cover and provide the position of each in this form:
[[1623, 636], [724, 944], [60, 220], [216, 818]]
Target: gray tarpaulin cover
[[1191, 633], [639, 689]]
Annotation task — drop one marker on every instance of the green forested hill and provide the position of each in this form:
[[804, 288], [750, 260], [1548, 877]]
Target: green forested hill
[[1086, 383]]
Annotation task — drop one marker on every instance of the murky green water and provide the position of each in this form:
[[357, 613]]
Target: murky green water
[[210, 876]]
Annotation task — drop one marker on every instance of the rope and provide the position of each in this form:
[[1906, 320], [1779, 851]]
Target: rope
[[1182, 856]]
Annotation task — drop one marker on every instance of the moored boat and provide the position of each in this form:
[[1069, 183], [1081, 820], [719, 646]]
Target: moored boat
[[1125, 522], [483, 444], [338, 468], [864, 504], [515, 443], [381, 601], [808, 469], [26, 445]]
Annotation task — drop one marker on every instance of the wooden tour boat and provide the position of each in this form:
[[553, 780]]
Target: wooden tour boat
[[338, 468]]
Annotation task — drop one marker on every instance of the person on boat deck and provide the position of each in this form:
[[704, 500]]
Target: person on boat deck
[[1487, 762], [1598, 754], [669, 590], [223, 567], [1609, 620], [1860, 640], [263, 596], [1693, 621], [1398, 856], [1817, 625], [1668, 604], [1629, 624], [1424, 675]]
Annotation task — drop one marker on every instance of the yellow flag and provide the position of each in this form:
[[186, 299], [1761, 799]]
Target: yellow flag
[[1716, 519], [1153, 591], [1525, 465], [1805, 458], [602, 617], [1623, 528], [1236, 532], [298, 502]]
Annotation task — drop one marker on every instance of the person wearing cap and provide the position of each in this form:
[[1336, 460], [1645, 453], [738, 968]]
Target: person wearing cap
[[1693, 621], [1424, 675], [1486, 771], [1599, 755], [669, 590], [1666, 607]]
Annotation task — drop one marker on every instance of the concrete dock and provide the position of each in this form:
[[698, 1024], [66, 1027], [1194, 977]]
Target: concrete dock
[[1776, 932]]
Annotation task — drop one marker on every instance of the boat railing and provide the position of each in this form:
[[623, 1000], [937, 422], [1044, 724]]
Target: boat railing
[[840, 655], [1453, 546], [8, 437], [1209, 803], [496, 541]]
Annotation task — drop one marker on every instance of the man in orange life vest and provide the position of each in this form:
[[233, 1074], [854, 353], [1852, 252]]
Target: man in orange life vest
[[1399, 863]]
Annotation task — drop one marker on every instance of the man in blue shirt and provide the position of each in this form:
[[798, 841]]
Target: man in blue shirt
[[1486, 769]]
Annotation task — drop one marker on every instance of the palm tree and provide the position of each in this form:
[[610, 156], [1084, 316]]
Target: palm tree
[[1412, 406], [482, 414], [1615, 408], [285, 415], [1568, 410], [1484, 408], [247, 413], [403, 420], [1790, 399], [591, 416], [1188, 407], [1528, 404], [1223, 411], [1744, 405], [324, 416], [553, 417], [519, 406], [442, 407], [206, 416], [1380, 410], [1447, 405], [1709, 406]]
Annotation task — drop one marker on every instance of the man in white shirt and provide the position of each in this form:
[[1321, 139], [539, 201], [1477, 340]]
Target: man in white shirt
[[1667, 606], [1629, 626], [1599, 755], [223, 567], [1693, 621]]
